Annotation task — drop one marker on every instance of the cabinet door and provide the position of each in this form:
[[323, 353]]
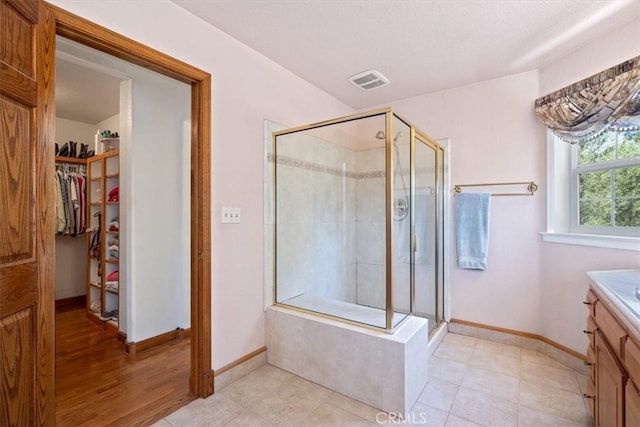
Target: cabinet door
[[609, 326], [610, 382], [632, 405]]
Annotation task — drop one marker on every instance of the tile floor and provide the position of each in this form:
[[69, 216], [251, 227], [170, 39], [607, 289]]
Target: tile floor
[[472, 382]]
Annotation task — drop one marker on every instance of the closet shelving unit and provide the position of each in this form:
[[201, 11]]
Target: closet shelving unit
[[102, 176]]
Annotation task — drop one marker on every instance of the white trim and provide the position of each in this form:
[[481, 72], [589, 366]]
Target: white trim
[[562, 209], [551, 188], [448, 240], [613, 242]]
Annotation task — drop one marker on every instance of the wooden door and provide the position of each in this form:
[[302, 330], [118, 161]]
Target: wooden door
[[27, 79]]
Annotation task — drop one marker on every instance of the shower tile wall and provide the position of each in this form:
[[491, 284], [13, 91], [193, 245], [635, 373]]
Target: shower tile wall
[[331, 225], [371, 222], [316, 219], [371, 241]]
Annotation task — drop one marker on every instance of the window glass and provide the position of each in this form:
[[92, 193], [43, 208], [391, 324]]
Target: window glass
[[608, 182], [629, 145], [595, 185], [595, 212], [599, 149]]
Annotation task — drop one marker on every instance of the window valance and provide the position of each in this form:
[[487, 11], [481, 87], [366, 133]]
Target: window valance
[[584, 110]]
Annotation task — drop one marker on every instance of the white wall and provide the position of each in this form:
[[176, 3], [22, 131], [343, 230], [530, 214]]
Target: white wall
[[111, 124], [494, 138], [564, 282], [160, 276], [529, 285], [154, 268], [71, 130], [71, 266], [247, 88]]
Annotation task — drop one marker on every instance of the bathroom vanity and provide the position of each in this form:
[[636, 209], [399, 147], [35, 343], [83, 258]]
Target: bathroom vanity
[[613, 352]]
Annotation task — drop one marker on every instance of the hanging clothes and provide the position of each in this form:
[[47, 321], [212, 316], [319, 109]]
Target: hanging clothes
[[71, 196]]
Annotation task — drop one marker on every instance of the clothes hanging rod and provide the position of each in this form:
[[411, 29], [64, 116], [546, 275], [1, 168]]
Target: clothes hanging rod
[[531, 187], [73, 160]]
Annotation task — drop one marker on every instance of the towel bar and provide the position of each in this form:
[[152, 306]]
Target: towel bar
[[531, 187]]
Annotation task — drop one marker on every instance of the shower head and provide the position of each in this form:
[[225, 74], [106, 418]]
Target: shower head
[[380, 135]]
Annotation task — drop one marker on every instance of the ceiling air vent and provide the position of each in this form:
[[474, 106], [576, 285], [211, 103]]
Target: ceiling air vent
[[369, 79]]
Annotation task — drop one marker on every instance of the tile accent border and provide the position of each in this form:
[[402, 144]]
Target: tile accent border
[[317, 167], [239, 368], [570, 358]]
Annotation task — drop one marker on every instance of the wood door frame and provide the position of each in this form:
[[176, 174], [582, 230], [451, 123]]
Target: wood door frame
[[90, 34]]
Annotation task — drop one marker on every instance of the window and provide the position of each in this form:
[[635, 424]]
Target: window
[[593, 187], [606, 184], [593, 191]]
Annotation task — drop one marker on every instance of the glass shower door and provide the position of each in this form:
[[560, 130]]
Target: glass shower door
[[427, 243]]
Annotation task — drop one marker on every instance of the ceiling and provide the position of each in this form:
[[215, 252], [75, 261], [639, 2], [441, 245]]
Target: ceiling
[[83, 93], [421, 46]]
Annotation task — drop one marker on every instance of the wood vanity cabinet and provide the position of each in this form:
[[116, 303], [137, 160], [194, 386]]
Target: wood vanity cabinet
[[610, 383], [614, 368], [632, 405]]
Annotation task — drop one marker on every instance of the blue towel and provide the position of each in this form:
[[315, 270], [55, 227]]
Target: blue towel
[[472, 229]]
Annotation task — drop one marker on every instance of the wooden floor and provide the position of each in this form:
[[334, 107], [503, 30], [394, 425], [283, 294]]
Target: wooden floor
[[98, 384]]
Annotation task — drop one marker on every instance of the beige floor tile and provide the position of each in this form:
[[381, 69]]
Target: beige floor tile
[[528, 417], [472, 382], [162, 423], [492, 383], [499, 337], [549, 376], [498, 348], [454, 421], [306, 388], [438, 394], [484, 409], [423, 415], [257, 386], [561, 403], [582, 382], [447, 370], [454, 351], [285, 404], [327, 415], [460, 339], [353, 406], [249, 419], [491, 361], [541, 359], [212, 412]]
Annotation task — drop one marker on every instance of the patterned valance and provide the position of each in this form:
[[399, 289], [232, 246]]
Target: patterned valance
[[586, 109]]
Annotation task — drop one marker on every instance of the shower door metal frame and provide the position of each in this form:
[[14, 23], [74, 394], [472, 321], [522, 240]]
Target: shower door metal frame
[[416, 135], [389, 158]]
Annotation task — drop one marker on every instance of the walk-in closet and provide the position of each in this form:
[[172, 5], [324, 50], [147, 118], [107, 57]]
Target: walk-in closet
[[87, 191], [123, 254], [130, 258]]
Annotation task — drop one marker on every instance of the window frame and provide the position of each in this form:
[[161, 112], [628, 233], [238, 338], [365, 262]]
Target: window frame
[[562, 201]]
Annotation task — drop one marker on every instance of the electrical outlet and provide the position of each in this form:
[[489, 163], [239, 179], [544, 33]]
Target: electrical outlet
[[230, 215]]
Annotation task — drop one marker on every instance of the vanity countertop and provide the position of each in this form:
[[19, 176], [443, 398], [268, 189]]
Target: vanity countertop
[[618, 288]]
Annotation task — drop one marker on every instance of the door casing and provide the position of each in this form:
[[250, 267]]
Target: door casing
[[90, 34]]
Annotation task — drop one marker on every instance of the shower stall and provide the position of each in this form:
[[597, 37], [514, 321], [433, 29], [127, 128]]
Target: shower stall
[[359, 230]]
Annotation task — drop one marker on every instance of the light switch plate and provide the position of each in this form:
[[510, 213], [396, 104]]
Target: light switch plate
[[230, 215]]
